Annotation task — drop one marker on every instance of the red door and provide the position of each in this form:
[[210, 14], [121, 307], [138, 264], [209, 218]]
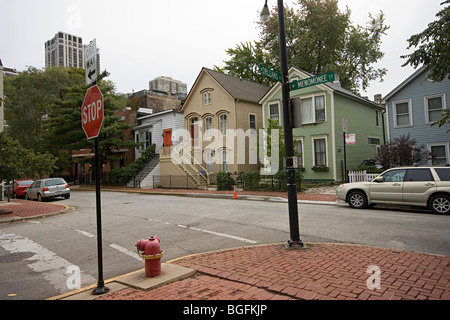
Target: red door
[[167, 137]]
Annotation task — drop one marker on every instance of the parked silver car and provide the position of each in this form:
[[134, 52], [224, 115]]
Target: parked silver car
[[48, 188], [415, 186]]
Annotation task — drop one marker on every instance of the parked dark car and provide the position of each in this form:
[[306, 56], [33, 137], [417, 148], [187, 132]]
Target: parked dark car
[[47, 189]]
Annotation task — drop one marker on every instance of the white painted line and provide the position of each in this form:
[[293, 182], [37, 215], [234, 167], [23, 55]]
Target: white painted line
[[53, 268], [219, 234], [126, 251]]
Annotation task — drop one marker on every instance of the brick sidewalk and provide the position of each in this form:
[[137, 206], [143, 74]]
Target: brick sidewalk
[[319, 272], [26, 208]]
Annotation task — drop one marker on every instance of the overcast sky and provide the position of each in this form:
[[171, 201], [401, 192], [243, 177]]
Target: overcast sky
[[140, 40]]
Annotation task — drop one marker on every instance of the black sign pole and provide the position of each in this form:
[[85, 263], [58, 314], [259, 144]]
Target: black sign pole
[[101, 288]]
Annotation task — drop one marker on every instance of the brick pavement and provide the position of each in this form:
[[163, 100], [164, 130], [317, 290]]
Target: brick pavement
[[318, 272], [26, 208]]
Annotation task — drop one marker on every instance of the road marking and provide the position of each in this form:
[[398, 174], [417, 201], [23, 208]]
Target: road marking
[[219, 234], [126, 251], [45, 262]]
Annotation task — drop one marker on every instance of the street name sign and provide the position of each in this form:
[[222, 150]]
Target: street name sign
[[90, 62], [92, 112], [313, 81], [270, 73]]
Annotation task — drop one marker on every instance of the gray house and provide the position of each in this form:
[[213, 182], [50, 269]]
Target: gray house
[[412, 108]]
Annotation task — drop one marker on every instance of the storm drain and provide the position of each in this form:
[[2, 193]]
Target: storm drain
[[16, 256]]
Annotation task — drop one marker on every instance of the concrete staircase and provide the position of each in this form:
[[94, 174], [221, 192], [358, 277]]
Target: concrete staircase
[[144, 178], [191, 168]]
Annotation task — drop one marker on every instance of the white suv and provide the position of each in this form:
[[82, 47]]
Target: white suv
[[415, 186]]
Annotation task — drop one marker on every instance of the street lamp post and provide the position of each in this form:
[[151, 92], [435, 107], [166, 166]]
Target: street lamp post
[[288, 137]]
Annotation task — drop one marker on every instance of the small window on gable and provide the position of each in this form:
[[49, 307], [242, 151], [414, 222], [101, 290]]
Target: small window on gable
[[207, 98]]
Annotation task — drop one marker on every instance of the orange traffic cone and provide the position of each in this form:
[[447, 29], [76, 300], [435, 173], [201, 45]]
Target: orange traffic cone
[[234, 195]]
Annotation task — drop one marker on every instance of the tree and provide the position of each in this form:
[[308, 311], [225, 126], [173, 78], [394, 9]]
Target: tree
[[401, 151], [433, 47], [319, 39], [29, 97], [17, 162], [63, 130]]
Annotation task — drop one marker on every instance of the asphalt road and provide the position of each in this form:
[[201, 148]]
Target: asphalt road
[[43, 258]]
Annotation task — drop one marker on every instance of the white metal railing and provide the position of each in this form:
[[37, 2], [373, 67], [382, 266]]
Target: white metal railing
[[361, 176], [181, 155]]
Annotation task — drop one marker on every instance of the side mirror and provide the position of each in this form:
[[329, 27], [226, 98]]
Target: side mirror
[[379, 179]]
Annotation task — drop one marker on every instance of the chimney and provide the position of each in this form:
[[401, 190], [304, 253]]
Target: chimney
[[337, 79], [378, 98]]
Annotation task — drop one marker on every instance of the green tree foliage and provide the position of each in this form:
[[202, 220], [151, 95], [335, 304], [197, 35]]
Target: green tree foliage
[[17, 162], [43, 112], [433, 46], [319, 39]]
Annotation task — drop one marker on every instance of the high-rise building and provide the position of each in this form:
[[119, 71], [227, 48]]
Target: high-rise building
[[66, 50], [168, 85]]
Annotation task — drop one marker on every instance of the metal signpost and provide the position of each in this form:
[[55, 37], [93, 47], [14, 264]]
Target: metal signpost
[[92, 115]]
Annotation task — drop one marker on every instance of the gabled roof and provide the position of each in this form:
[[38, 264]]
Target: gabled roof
[[237, 88], [405, 83]]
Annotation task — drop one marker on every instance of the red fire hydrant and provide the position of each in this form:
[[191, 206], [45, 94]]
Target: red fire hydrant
[[152, 255]]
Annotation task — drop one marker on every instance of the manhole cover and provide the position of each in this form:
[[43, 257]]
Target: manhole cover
[[16, 256], [4, 211]]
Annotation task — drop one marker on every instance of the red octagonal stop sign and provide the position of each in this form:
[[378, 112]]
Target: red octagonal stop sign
[[92, 112]]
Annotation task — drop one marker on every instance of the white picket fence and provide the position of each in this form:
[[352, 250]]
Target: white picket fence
[[361, 176]]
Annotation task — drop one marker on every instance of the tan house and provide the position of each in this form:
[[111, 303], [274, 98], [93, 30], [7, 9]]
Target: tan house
[[222, 119]]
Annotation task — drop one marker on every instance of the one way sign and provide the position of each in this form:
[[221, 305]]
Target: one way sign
[[90, 62]]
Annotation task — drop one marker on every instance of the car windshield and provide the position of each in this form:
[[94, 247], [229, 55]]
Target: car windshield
[[25, 182], [54, 182]]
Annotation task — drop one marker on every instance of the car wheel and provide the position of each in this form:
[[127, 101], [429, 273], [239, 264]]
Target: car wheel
[[357, 200], [440, 204], [26, 196], [40, 199]]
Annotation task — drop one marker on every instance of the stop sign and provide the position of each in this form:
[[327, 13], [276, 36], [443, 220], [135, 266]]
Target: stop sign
[[92, 112]]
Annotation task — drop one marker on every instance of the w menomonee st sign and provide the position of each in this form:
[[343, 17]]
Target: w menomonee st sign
[[313, 81]]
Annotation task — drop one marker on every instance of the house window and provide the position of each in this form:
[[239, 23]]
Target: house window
[[225, 161], [320, 152], [313, 109], [438, 154], [208, 127], [320, 108], [402, 114], [223, 124], [434, 106], [207, 98], [252, 123], [274, 112], [209, 159], [374, 141]]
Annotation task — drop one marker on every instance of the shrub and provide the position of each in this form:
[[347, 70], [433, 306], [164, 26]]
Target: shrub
[[124, 175], [224, 181], [251, 180]]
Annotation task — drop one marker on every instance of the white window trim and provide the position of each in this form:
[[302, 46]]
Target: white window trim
[[208, 132], [279, 111], [425, 103], [437, 144], [302, 164], [372, 137], [220, 124], [256, 123], [313, 97], [313, 138], [394, 113]]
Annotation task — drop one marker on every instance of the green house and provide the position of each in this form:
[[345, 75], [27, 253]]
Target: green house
[[328, 121]]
